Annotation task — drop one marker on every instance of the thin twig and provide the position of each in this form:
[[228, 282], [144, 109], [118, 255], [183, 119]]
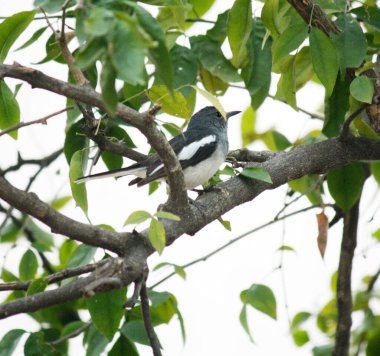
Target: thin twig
[[42, 120], [373, 280], [317, 183], [43, 162], [55, 277], [346, 124], [200, 20], [74, 333], [231, 242], [153, 340]]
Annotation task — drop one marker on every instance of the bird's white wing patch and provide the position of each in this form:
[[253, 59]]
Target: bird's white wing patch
[[190, 150], [156, 169]]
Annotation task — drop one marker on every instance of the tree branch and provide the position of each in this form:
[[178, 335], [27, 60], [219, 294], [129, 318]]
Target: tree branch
[[42, 120], [42, 162], [246, 155], [55, 277], [30, 204], [142, 121], [344, 297], [313, 15], [153, 340]]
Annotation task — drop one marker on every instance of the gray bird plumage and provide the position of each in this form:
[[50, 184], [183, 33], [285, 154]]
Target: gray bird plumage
[[201, 149]]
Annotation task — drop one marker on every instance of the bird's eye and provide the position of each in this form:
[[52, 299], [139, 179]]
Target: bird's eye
[[219, 114]]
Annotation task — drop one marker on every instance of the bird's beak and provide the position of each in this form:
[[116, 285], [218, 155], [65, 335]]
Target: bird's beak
[[232, 113]]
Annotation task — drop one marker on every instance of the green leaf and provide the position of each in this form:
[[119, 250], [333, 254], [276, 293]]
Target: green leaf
[[185, 68], [257, 73], [66, 251], [239, 27], [280, 141], [11, 29], [9, 233], [28, 266], [324, 350], [369, 14], [288, 41], [324, 59], [96, 342], [258, 173], [128, 53], [107, 83], [137, 217], [37, 286], [212, 99], [248, 120], [37, 345], [90, 53], [269, 15], [78, 191], [99, 21], [226, 224], [157, 235], [36, 35], [166, 215], [244, 322], [351, 43], [112, 160], [298, 319], [218, 33], [106, 310], [336, 106], [71, 327], [286, 86], [134, 330], [9, 341], [8, 276], [74, 140], [211, 83], [212, 58], [286, 248], [345, 184], [159, 54], [123, 346], [261, 298], [300, 337], [81, 256], [362, 89], [49, 5], [173, 104], [43, 238], [9, 109], [375, 170], [60, 203], [373, 346]]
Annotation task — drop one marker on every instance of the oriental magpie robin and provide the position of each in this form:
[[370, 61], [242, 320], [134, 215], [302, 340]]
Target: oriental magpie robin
[[201, 149]]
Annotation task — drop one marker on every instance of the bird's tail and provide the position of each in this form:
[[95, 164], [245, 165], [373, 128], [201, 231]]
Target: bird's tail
[[116, 173]]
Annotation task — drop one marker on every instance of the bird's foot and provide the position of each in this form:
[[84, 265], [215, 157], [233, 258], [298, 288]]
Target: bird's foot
[[208, 189]]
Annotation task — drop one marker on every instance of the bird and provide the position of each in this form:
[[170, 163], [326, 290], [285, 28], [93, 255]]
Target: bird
[[200, 150]]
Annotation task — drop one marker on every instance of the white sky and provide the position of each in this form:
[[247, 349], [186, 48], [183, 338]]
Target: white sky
[[209, 298]]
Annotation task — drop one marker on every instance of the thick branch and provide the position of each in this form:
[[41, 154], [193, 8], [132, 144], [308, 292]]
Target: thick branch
[[30, 204], [344, 297], [246, 155], [142, 121], [318, 158]]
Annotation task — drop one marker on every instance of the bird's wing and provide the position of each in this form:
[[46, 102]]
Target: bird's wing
[[189, 151]]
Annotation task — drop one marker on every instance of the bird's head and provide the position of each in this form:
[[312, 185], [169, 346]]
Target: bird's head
[[211, 116]]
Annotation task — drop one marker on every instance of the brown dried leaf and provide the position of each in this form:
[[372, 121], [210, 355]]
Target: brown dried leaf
[[323, 228]]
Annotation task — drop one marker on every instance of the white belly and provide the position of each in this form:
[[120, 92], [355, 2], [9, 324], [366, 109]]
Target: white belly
[[202, 172]]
